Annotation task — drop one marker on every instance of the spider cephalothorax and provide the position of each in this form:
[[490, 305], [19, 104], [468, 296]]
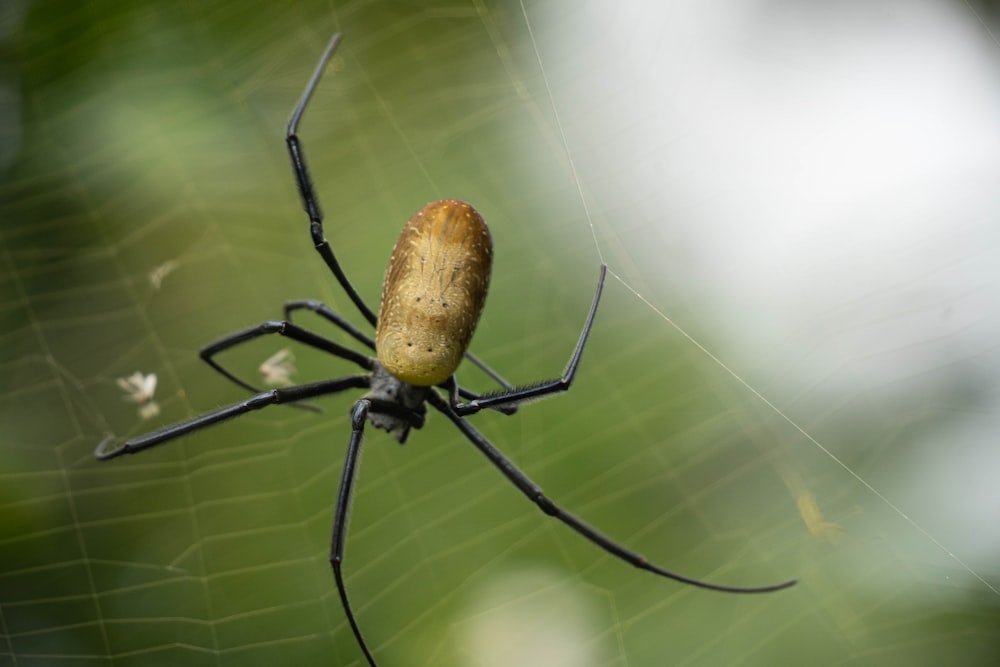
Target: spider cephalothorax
[[387, 391]]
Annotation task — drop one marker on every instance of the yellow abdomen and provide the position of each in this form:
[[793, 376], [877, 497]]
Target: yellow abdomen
[[434, 292]]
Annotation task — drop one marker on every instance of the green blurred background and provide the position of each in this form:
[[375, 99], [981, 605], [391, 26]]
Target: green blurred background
[[141, 134]]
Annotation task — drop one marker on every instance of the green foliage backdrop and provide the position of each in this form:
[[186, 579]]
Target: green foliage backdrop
[[146, 135]]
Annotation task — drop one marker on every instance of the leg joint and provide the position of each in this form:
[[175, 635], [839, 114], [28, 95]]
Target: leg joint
[[316, 231], [545, 504]]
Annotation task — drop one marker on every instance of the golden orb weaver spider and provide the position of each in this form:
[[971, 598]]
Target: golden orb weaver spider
[[432, 297]]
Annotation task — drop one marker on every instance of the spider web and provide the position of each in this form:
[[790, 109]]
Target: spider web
[[793, 372]]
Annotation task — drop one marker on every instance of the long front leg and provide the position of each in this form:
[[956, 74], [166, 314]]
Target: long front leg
[[310, 202]]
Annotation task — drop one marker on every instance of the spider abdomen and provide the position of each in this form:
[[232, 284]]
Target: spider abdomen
[[434, 292]]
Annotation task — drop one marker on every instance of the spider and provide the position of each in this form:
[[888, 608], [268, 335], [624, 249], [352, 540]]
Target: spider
[[432, 297]]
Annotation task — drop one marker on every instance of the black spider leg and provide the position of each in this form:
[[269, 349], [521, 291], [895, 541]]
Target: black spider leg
[[306, 191], [519, 395], [289, 330], [455, 391], [496, 377], [537, 496], [330, 315], [261, 400], [310, 202], [342, 511]]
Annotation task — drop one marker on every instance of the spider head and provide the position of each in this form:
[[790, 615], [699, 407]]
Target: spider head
[[397, 406]]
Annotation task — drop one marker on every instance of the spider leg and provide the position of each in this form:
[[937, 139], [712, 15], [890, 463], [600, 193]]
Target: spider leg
[[455, 391], [481, 365], [341, 513], [330, 315], [257, 402], [516, 396], [288, 330], [310, 202], [537, 496], [341, 516]]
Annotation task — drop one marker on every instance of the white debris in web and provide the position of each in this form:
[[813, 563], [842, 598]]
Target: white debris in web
[[139, 389], [157, 275], [278, 369]]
